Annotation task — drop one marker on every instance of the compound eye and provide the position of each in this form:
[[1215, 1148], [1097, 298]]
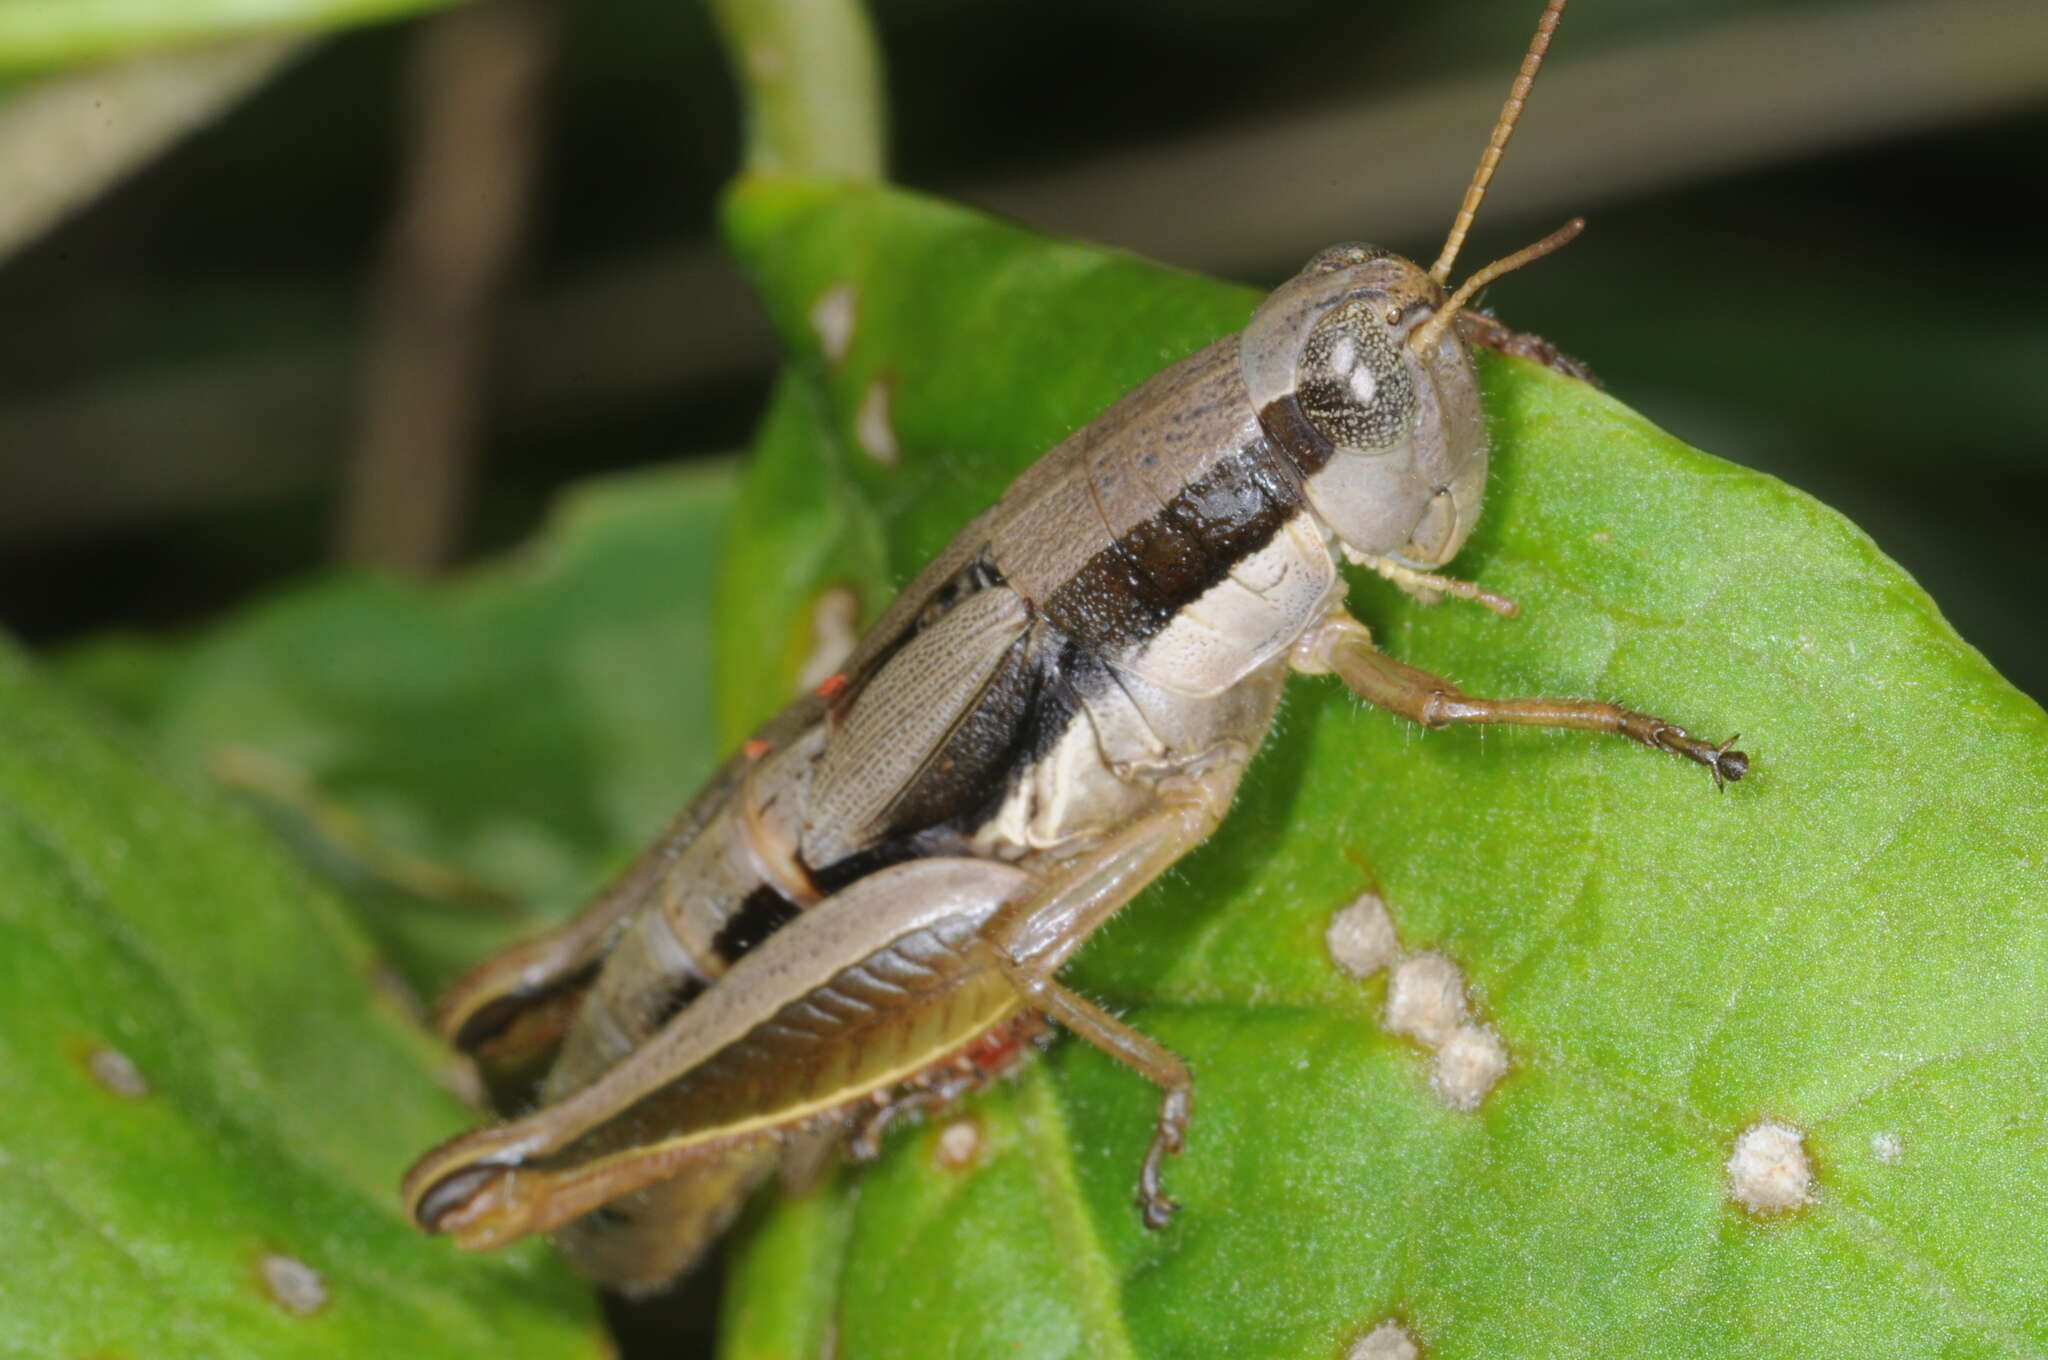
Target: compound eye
[[1352, 385]]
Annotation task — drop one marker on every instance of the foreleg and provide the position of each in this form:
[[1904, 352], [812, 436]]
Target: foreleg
[[1482, 329]]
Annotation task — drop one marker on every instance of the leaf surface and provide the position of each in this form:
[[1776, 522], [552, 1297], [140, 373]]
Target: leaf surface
[[211, 1097], [466, 759], [43, 34], [1850, 942]]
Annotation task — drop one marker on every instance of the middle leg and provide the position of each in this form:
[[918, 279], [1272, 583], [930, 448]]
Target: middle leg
[[1344, 646]]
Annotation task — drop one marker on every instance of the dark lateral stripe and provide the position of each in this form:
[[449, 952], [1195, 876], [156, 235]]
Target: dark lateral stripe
[[978, 757], [761, 913], [674, 997], [1028, 707], [1288, 428], [500, 1013], [844, 873], [1132, 589]]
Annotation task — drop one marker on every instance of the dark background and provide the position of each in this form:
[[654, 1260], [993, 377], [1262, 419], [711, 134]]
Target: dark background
[[1815, 248]]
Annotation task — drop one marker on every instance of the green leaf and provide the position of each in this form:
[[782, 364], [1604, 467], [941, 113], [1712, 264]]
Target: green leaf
[[468, 759], [46, 34], [1851, 942], [210, 1098]]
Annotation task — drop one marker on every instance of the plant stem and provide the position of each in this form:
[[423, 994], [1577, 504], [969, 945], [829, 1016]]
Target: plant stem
[[811, 77]]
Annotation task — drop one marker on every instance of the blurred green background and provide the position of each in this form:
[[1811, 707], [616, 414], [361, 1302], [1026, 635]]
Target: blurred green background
[[480, 242]]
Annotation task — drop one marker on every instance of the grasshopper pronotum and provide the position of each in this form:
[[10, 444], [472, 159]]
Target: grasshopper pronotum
[[867, 910]]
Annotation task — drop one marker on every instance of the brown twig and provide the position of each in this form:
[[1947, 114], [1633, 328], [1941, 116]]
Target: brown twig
[[475, 84]]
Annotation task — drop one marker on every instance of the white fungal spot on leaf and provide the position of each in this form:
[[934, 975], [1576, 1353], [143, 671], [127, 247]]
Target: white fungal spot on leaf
[[832, 317], [959, 1143], [1887, 1148], [1361, 937], [1388, 1341], [1425, 1002], [1426, 999], [1468, 1066], [296, 1286], [871, 428], [835, 628], [1768, 1173], [116, 1071]]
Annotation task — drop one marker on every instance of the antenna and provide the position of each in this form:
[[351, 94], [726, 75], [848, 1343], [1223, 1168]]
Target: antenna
[[1503, 128], [1424, 337]]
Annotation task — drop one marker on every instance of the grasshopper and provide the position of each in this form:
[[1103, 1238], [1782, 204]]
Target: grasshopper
[[866, 912]]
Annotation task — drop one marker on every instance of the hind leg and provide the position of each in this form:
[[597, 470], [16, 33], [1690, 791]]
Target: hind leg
[[1140, 1053], [1031, 938]]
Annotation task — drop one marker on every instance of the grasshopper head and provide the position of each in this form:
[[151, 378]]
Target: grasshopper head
[[1360, 376], [1377, 407]]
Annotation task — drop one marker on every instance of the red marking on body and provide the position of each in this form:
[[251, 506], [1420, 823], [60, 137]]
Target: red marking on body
[[832, 686], [998, 1050], [755, 749]]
